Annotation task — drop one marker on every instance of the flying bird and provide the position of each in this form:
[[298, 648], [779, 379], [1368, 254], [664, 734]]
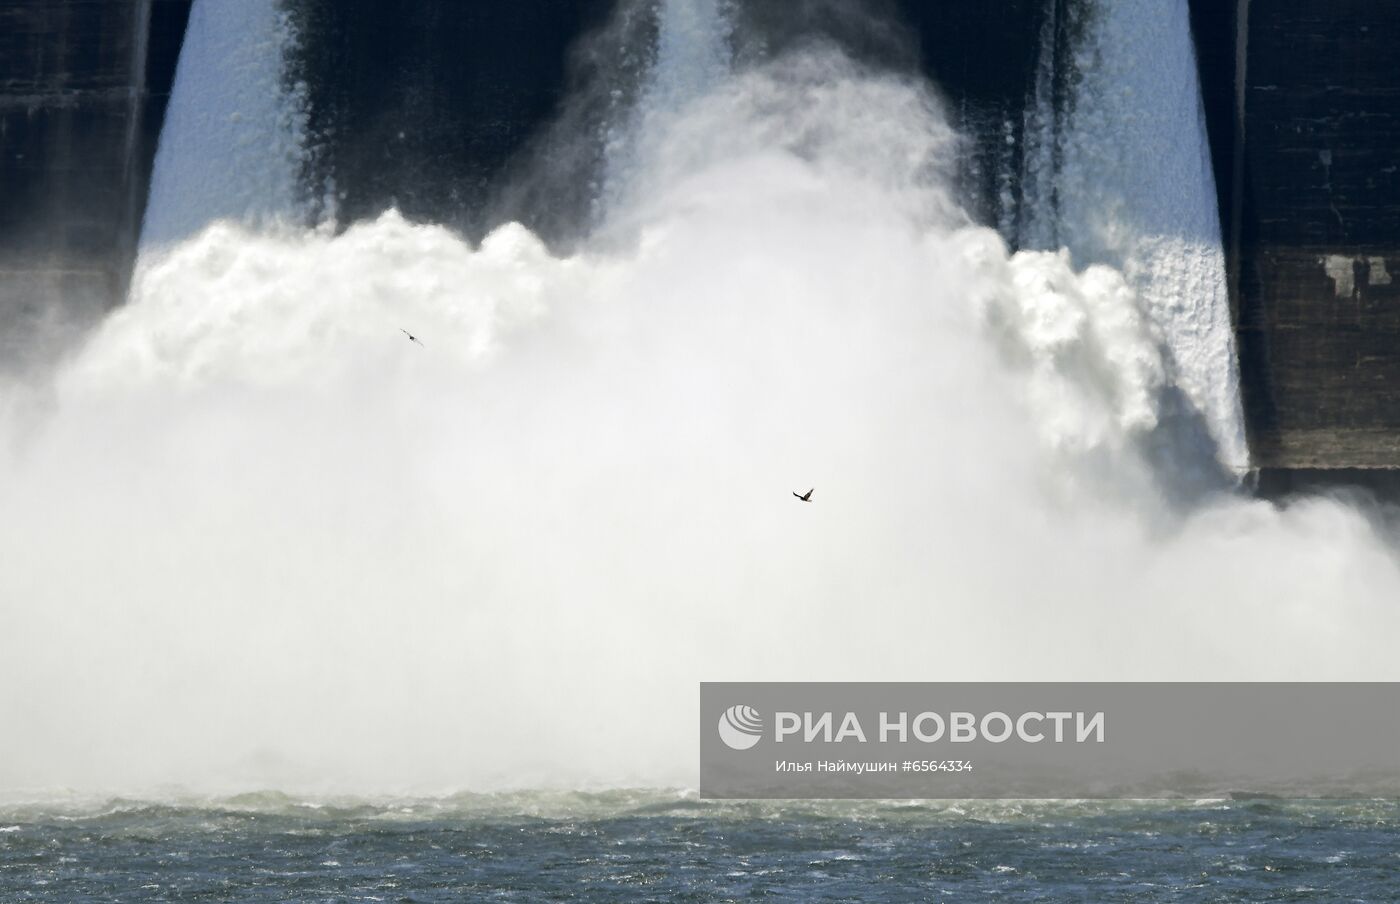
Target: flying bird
[[806, 498], [411, 337]]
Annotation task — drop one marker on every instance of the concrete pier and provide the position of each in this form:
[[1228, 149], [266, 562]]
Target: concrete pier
[[1304, 105], [83, 84]]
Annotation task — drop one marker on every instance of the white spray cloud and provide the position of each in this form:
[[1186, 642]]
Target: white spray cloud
[[266, 541]]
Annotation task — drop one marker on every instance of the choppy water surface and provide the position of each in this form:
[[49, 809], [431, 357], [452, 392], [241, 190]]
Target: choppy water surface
[[631, 846]]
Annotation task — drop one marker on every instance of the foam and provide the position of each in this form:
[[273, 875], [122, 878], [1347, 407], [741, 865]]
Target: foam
[[264, 541]]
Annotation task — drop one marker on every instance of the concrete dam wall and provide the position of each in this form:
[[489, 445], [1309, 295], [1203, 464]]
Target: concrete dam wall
[[83, 86], [442, 108], [1317, 159]]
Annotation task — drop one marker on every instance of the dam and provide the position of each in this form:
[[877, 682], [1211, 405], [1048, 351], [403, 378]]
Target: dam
[[983, 278], [437, 108]]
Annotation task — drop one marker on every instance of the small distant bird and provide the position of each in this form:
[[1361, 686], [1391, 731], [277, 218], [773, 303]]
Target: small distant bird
[[806, 498], [411, 337]]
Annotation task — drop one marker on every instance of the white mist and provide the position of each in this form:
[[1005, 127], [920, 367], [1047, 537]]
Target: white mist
[[266, 542]]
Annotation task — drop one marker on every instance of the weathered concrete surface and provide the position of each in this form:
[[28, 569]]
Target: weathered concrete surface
[[1318, 235], [83, 84], [428, 105], [473, 113]]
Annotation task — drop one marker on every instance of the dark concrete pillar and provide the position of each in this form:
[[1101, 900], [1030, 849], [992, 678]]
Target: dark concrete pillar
[[427, 105], [79, 114], [1319, 234]]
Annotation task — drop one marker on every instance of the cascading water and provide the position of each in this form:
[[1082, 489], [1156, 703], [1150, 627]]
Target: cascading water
[[264, 541], [1122, 176], [1035, 217], [232, 146], [692, 56], [692, 53]]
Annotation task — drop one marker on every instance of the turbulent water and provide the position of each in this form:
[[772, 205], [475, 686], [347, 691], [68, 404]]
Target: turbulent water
[[260, 540], [1118, 171], [626, 846]]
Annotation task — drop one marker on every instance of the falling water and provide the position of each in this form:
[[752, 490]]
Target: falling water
[[1136, 191], [265, 542], [691, 57], [232, 145]]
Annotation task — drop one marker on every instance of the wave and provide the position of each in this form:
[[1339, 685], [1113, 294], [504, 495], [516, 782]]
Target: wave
[[667, 804]]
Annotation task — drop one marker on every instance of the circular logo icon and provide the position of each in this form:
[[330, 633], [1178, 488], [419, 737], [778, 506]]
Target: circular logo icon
[[740, 727]]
